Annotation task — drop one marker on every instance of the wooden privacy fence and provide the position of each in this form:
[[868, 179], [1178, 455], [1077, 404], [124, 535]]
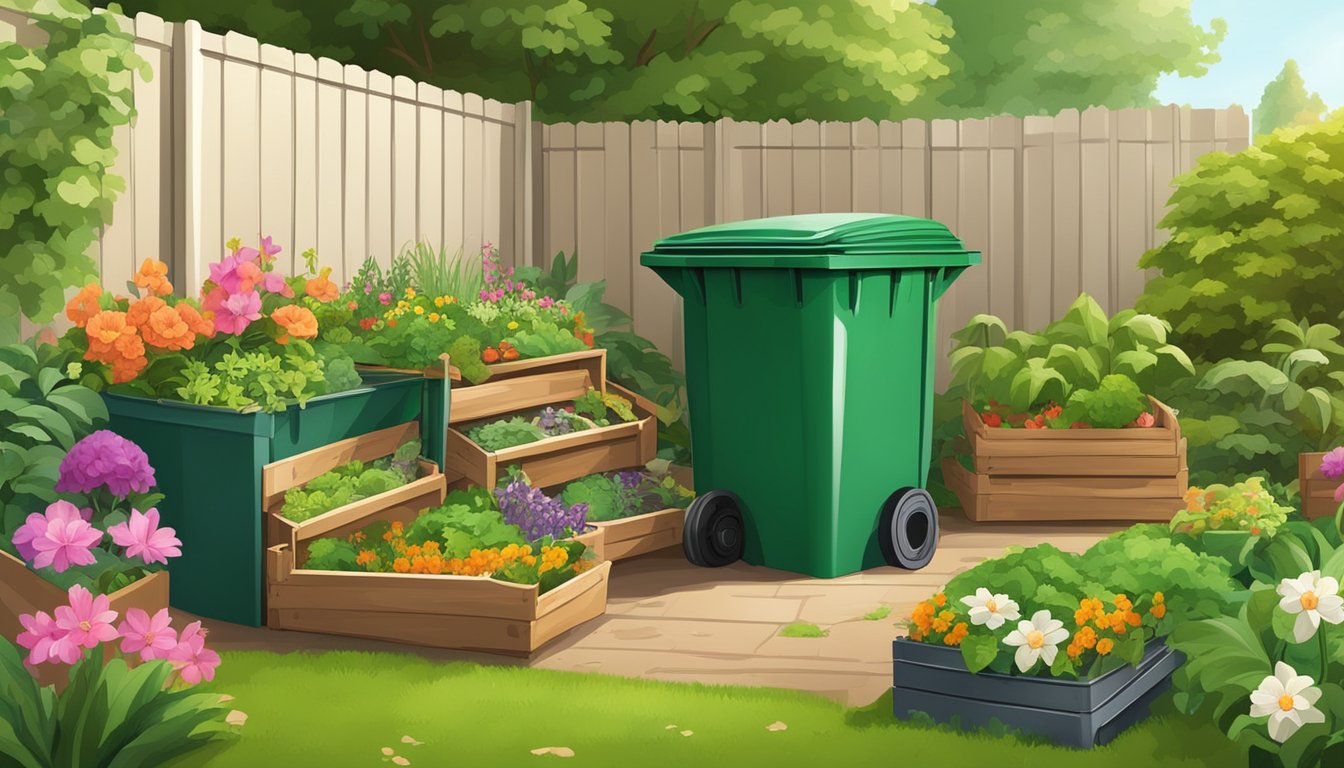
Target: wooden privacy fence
[[239, 139], [1058, 205]]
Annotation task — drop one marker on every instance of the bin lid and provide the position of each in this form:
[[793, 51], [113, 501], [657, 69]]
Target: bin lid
[[816, 241]]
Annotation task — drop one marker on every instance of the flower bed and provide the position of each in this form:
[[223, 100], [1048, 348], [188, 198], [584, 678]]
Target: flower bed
[[558, 459], [455, 576], [639, 511], [1136, 473]]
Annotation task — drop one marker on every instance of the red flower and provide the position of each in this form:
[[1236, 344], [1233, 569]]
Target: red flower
[[992, 420]]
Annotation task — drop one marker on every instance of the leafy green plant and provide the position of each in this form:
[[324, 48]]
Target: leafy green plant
[[802, 629], [505, 433], [257, 379], [349, 483], [617, 495], [545, 339], [1115, 403], [435, 272], [59, 106], [878, 614], [1254, 238], [43, 412]]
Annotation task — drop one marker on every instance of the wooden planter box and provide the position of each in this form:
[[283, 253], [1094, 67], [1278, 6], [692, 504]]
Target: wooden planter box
[[465, 612], [464, 394], [1318, 491], [22, 591], [400, 503], [554, 460], [595, 538], [1071, 474], [641, 534], [1076, 713]]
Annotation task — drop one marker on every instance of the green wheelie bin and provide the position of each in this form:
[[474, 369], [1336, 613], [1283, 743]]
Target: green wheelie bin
[[809, 366]]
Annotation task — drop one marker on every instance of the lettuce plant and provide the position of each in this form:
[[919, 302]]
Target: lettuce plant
[[351, 482]]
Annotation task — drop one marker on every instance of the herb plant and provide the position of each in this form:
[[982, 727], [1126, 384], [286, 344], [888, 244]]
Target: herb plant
[[505, 433], [617, 495], [540, 516], [351, 482]]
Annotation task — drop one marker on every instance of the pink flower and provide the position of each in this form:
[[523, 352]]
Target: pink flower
[[269, 249], [152, 637], [87, 620], [508, 285], [1339, 493], [529, 295], [1145, 420], [546, 302], [237, 312], [485, 295], [384, 298], [194, 662], [40, 636], [368, 288], [1332, 465], [142, 537], [490, 278], [226, 273], [60, 538], [274, 282]]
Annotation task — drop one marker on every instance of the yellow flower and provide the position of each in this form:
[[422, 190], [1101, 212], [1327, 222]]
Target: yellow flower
[[438, 301], [433, 317], [513, 325], [410, 293], [419, 310]]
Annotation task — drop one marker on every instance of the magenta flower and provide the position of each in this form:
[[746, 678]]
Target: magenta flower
[[105, 458], [151, 637], [546, 302], [228, 273], [194, 662], [274, 282], [368, 288], [490, 278], [142, 537], [1332, 466], [87, 620], [269, 249], [237, 312], [385, 298], [529, 295], [1339, 493], [40, 636], [67, 540], [35, 527]]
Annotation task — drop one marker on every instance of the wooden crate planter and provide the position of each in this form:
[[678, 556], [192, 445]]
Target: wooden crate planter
[[641, 534], [1072, 474], [554, 460], [1076, 713], [1318, 491], [501, 386], [464, 612], [426, 491], [22, 591], [595, 538]]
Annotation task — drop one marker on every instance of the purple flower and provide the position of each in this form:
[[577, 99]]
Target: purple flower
[[537, 514], [1332, 466], [105, 458], [630, 479]]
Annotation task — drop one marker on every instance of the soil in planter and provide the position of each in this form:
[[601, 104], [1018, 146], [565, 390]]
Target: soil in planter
[[522, 427], [352, 482], [618, 495], [466, 536]]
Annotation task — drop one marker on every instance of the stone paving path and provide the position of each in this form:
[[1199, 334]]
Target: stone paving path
[[669, 620]]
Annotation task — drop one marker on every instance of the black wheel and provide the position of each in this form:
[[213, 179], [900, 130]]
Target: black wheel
[[714, 534], [908, 528]]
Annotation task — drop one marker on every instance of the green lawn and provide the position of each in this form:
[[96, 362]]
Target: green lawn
[[342, 709]]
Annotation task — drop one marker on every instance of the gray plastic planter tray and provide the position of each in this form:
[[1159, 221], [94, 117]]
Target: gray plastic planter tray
[[1074, 713]]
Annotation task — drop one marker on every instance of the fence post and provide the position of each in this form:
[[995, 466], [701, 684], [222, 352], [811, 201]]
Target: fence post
[[186, 104], [531, 171]]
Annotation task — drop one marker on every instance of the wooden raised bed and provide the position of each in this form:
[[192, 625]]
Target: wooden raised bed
[[554, 460], [1071, 474], [594, 361], [641, 534], [22, 591], [466, 612], [277, 478], [1318, 491]]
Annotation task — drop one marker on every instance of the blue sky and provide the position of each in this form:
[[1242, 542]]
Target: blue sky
[[1261, 34]]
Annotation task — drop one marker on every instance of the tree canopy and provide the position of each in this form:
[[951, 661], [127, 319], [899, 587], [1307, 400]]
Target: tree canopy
[[1286, 102], [747, 59]]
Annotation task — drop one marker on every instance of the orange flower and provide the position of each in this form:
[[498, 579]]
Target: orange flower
[[1122, 602], [940, 625], [957, 634], [1105, 646], [166, 329], [321, 287], [940, 599], [295, 321], [1158, 610], [1133, 619], [153, 277], [365, 556], [140, 310], [111, 336], [84, 305], [201, 323], [1074, 651], [401, 565]]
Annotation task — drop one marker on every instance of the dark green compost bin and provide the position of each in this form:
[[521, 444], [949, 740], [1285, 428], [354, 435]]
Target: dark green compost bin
[[809, 367], [208, 462]]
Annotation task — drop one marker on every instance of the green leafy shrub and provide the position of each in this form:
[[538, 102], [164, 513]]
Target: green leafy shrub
[[617, 495], [545, 339], [1115, 403], [59, 106], [602, 408], [1254, 238], [43, 411]]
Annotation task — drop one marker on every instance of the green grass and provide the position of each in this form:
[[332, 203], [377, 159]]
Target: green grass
[[802, 629], [882, 612], [341, 709], [438, 273]]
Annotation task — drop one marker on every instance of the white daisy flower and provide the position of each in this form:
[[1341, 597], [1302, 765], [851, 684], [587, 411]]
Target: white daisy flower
[[991, 610]]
